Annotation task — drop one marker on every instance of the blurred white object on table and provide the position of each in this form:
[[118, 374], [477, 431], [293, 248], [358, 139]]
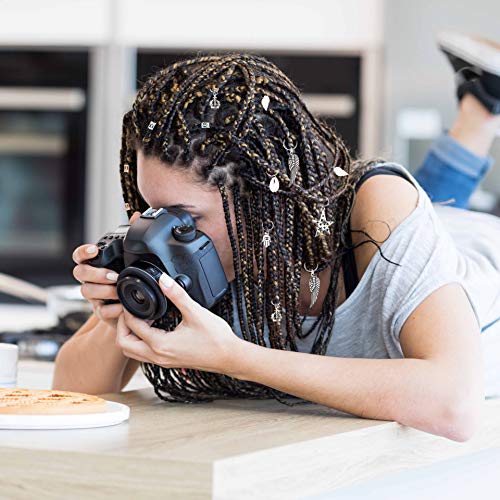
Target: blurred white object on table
[[8, 365], [58, 302]]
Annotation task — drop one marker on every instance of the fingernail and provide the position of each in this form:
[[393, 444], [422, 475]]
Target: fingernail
[[112, 276], [91, 249], [166, 280]]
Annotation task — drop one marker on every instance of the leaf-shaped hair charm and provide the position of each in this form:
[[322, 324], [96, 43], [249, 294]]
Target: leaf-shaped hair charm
[[340, 172], [265, 102], [314, 286], [274, 185], [293, 165]]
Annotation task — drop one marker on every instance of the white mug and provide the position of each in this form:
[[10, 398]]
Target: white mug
[[8, 365]]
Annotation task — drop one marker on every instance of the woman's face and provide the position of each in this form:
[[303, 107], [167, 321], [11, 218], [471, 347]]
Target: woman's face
[[164, 186]]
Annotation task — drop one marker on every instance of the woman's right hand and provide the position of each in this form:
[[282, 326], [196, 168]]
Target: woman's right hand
[[98, 284]]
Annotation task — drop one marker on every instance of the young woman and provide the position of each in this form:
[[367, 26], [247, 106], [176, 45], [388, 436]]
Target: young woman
[[367, 299]]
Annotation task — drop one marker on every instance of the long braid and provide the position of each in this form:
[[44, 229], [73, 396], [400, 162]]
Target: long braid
[[238, 154]]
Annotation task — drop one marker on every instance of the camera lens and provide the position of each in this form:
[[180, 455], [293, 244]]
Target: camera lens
[[138, 296], [138, 290]]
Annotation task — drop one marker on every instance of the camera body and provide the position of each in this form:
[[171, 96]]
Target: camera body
[[161, 240]]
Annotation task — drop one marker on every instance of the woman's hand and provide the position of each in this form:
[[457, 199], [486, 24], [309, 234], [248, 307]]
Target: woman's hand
[[202, 340], [98, 284]]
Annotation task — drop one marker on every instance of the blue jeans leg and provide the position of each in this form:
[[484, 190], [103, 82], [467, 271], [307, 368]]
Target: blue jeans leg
[[451, 171]]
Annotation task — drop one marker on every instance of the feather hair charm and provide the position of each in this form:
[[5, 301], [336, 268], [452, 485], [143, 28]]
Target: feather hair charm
[[293, 161], [314, 284]]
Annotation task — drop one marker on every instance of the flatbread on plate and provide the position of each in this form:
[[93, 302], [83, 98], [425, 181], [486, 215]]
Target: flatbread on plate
[[48, 402]]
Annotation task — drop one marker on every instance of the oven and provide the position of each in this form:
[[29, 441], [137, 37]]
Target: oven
[[43, 117]]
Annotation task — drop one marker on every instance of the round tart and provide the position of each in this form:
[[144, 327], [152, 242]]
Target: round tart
[[48, 402]]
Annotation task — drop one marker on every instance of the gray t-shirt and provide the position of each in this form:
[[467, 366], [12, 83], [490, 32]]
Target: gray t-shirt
[[434, 245]]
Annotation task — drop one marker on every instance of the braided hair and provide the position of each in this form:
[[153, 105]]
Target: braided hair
[[239, 154]]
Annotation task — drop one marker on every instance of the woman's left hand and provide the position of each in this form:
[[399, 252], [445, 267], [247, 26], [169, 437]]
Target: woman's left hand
[[202, 340]]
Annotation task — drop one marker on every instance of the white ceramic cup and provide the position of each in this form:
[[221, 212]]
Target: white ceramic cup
[[9, 354]]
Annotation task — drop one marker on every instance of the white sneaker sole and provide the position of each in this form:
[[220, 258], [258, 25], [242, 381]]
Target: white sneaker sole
[[482, 53]]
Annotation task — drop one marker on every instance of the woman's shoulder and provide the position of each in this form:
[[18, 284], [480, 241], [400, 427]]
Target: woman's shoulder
[[381, 204]]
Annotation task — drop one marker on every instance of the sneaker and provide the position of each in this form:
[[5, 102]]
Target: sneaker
[[476, 62]]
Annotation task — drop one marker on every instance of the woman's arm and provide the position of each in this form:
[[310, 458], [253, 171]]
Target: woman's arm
[[91, 362], [438, 389]]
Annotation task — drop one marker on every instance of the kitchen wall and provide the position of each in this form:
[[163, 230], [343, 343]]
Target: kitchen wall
[[401, 66], [114, 30]]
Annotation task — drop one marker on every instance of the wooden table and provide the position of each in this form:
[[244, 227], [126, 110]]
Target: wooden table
[[228, 449]]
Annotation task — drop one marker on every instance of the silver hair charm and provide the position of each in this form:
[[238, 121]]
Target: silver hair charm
[[214, 102], [340, 172], [314, 284], [293, 161], [205, 124], [265, 102], [151, 125], [266, 239], [276, 316], [322, 224], [274, 184]]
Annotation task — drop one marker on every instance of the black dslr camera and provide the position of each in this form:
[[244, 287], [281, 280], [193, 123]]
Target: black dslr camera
[[161, 240]]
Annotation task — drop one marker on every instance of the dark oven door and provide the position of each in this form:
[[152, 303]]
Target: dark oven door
[[43, 117]]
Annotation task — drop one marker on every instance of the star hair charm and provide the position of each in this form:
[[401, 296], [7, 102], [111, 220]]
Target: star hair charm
[[322, 224], [214, 102], [293, 161], [276, 316], [314, 284], [266, 239]]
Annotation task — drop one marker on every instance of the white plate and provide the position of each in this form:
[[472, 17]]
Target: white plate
[[115, 413]]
